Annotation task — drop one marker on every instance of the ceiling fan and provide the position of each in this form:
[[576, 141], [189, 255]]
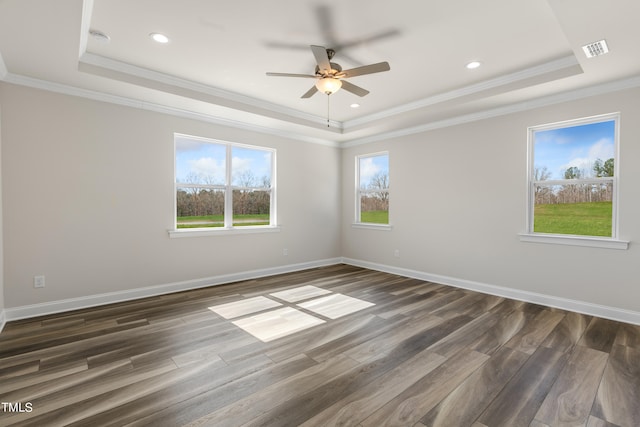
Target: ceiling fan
[[330, 76]]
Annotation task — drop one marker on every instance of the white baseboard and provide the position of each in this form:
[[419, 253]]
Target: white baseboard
[[583, 307], [35, 310], [29, 311]]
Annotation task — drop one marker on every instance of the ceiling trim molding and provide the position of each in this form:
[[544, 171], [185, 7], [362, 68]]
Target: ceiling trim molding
[[197, 90], [85, 25], [158, 108], [564, 63], [573, 95], [614, 86]]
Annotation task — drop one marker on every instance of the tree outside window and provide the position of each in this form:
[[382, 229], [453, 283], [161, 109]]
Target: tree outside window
[[372, 189], [221, 184], [572, 179]]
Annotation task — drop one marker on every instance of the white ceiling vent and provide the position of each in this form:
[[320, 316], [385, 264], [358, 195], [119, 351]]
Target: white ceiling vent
[[595, 49]]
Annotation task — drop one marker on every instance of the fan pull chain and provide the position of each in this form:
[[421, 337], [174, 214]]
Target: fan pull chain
[[327, 110]]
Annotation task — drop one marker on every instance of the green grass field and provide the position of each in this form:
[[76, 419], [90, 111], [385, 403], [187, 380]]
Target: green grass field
[[582, 219], [218, 221], [375, 217]]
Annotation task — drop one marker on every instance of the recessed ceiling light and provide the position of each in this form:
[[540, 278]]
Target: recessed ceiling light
[[99, 36], [355, 105], [473, 64], [160, 38]]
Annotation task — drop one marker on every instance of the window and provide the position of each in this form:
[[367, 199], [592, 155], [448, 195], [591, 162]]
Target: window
[[573, 178], [223, 185], [372, 189]]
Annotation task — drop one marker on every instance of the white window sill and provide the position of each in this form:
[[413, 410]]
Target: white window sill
[[372, 226], [594, 242], [219, 231]]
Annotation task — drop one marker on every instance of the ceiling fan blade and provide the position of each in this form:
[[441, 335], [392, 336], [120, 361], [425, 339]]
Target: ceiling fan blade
[[350, 87], [322, 59], [325, 23], [365, 40], [310, 92], [282, 45], [366, 69], [291, 75]]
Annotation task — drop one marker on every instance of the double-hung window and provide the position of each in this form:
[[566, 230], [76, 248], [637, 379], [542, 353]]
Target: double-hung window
[[572, 175], [372, 189], [223, 185]]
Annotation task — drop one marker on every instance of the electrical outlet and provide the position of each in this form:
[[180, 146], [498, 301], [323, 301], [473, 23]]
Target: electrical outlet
[[396, 253], [285, 252], [38, 282]]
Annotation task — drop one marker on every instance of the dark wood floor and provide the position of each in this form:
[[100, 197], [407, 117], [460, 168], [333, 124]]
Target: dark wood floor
[[424, 355]]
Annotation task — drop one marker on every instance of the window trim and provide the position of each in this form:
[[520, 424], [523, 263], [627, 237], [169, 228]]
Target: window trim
[[228, 188], [613, 242], [357, 223]]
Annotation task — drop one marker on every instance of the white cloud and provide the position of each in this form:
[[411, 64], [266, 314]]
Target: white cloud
[[601, 149], [240, 165], [207, 167], [368, 169]]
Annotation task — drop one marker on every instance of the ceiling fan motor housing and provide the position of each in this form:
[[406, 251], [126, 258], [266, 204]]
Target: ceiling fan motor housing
[[335, 69]]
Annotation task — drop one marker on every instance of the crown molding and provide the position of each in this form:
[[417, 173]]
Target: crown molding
[[122, 71], [627, 83], [566, 63], [85, 25], [164, 109], [573, 95]]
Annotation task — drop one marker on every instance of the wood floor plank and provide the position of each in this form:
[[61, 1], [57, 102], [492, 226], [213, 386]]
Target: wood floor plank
[[413, 403], [59, 402], [366, 400], [465, 335], [628, 335], [458, 409], [597, 422], [535, 331], [250, 406], [42, 376], [215, 387], [569, 401], [493, 339], [618, 397], [426, 354], [386, 342], [600, 334], [297, 410], [518, 402], [568, 332]]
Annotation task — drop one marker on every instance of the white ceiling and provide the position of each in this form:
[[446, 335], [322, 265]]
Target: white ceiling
[[214, 65]]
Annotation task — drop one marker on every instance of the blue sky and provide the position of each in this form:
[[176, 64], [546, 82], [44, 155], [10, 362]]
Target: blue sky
[[369, 166], [205, 162], [579, 146]]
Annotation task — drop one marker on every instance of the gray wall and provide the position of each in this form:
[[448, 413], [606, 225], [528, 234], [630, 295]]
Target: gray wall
[[1, 236], [458, 202], [88, 197]]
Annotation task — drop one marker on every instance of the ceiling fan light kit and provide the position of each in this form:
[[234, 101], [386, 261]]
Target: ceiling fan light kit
[[328, 85]]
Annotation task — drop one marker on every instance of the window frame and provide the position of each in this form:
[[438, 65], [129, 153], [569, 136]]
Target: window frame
[[530, 235], [359, 192], [228, 188]]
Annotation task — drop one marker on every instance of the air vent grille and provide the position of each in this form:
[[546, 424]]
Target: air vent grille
[[595, 49]]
